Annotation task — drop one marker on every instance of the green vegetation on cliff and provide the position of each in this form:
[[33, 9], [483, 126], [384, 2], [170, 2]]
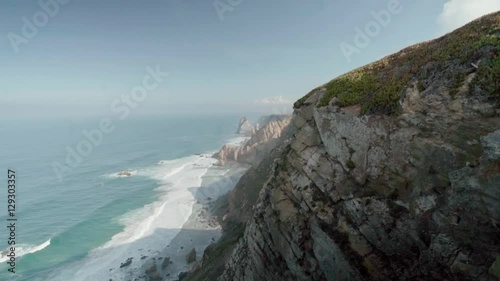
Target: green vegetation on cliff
[[378, 87], [407, 197]]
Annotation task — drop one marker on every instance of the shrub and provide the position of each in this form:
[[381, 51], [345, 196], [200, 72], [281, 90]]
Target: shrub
[[488, 78], [350, 164], [377, 87]]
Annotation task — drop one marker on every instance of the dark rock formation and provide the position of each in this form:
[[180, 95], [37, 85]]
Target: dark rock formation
[[125, 173], [182, 275], [166, 262], [191, 256], [152, 273], [126, 263]]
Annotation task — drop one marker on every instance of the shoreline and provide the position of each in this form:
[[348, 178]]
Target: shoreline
[[199, 231], [169, 227], [157, 236]]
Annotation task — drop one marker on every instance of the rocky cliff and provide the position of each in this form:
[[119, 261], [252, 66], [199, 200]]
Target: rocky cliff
[[245, 127], [393, 172], [235, 208], [266, 119], [260, 143]]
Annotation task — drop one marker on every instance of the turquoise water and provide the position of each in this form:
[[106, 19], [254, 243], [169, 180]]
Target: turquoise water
[[82, 212]]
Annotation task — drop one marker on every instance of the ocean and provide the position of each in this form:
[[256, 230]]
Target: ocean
[[79, 226]]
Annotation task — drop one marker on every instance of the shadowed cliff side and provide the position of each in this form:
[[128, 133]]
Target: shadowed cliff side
[[392, 173], [388, 182], [235, 208]]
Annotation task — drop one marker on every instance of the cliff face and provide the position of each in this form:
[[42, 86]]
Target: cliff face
[[260, 144], [245, 127], [266, 119], [409, 193], [235, 208]]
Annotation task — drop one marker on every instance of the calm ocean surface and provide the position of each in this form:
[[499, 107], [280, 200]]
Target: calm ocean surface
[[59, 222]]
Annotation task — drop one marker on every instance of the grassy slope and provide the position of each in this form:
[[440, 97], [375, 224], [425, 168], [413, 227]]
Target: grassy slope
[[378, 86]]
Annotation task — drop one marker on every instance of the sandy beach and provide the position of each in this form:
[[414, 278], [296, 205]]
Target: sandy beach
[[166, 229], [200, 230]]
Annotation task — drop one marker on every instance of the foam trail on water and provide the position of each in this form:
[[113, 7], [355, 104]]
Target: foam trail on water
[[23, 250], [145, 227], [152, 227]]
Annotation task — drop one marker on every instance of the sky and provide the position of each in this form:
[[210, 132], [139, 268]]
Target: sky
[[85, 57]]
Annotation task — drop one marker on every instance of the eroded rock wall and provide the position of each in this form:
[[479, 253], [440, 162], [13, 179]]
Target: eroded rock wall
[[366, 197], [260, 144]]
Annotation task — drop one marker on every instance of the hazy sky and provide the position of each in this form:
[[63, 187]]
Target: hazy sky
[[221, 56]]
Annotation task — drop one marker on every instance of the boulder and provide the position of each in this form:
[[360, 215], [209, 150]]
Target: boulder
[[125, 173], [191, 256], [126, 263]]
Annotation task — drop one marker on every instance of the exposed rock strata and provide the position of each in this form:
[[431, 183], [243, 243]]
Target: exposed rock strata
[[259, 145], [411, 196], [233, 210], [416, 197], [245, 127], [266, 119]]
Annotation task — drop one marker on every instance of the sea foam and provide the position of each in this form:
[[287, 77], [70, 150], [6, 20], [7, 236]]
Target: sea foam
[[153, 226], [22, 250]]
